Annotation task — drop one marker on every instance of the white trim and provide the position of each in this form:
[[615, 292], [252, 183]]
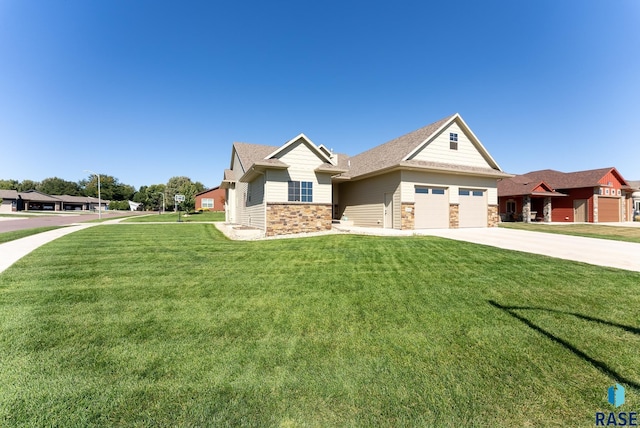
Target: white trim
[[308, 142]]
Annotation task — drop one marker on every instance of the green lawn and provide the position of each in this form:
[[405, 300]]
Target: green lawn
[[17, 234], [171, 217], [174, 325], [617, 233]]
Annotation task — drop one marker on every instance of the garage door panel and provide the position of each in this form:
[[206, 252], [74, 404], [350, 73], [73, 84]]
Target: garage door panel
[[431, 208], [608, 209], [472, 208]]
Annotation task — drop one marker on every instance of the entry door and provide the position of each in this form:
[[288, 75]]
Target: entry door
[[388, 210], [580, 211]]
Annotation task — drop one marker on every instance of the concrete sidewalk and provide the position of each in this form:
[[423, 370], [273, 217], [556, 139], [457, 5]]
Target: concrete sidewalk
[[12, 251]]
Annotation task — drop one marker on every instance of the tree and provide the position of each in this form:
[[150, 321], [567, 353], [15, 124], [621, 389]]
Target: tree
[[183, 186], [9, 184], [150, 196], [110, 188], [58, 186], [26, 185]]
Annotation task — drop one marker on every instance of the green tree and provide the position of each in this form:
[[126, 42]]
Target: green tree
[[183, 186], [9, 184], [58, 186], [110, 188], [26, 185]]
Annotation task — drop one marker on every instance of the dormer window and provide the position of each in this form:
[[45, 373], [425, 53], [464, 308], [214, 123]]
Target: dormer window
[[453, 141]]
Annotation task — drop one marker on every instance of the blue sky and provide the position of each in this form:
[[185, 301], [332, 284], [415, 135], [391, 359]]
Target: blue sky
[[147, 90]]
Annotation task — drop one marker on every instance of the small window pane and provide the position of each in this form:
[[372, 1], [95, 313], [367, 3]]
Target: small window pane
[[294, 191], [307, 191], [478, 193], [421, 190], [462, 192], [437, 191], [453, 136]]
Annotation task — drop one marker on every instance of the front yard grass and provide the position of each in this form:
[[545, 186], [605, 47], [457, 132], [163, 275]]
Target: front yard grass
[[172, 217], [173, 325], [17, 234], [616, 233]]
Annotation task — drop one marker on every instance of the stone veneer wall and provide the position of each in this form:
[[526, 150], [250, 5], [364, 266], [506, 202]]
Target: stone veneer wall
[[408, 216], [288, 218], [454, 216], [493, 218]]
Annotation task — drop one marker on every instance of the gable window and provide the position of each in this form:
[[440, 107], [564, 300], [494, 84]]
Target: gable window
[[207, 203], [453, 141], [300, 191]]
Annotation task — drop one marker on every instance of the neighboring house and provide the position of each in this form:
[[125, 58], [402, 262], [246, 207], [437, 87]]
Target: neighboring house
[[598, 195], [33, 200], [440, 176], [10, 200], [81, 203], [211, 200], [635, 196]]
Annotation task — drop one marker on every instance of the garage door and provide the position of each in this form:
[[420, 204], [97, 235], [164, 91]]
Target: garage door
[[472, 208], [608, 209], [431, 208]]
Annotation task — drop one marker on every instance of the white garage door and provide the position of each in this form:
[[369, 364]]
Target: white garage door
[[431, 208], [472, 208]]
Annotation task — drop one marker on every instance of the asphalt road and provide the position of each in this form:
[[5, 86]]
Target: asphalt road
[[8, 224]]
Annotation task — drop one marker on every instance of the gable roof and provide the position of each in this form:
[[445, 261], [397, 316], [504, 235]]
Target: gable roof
[[248, 154], [521, 185], [572, 180], [398, 152], [320, 152], [207, 191]]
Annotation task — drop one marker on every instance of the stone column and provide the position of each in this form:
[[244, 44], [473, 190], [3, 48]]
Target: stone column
[[596, 192], [454, 216], [547, 209], [526, 209]]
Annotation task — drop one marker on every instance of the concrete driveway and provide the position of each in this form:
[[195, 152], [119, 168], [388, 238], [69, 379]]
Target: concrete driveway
[[600, 252]]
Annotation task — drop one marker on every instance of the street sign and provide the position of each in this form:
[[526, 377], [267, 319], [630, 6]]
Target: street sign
[[179, 198]]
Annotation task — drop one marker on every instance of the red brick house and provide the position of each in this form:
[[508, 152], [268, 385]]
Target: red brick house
[[210, 200], [594, 196]]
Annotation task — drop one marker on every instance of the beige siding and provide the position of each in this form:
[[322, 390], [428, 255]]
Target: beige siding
[[302, 161], [363, 201], [453, 182], [438, 150], [255, 208]]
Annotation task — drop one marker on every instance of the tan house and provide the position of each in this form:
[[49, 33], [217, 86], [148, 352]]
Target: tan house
[[440, 176]]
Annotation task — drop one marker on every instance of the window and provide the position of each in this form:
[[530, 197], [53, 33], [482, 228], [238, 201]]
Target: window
[[462, 192], [478, 193], [606, 191], [619, 193], [300, 191], [453, 141], [306, 191], [437, 191], [422, 190], [207, 203], [511, 206]]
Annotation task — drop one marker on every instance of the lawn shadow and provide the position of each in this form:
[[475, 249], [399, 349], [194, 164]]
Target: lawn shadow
[[603, 367]]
